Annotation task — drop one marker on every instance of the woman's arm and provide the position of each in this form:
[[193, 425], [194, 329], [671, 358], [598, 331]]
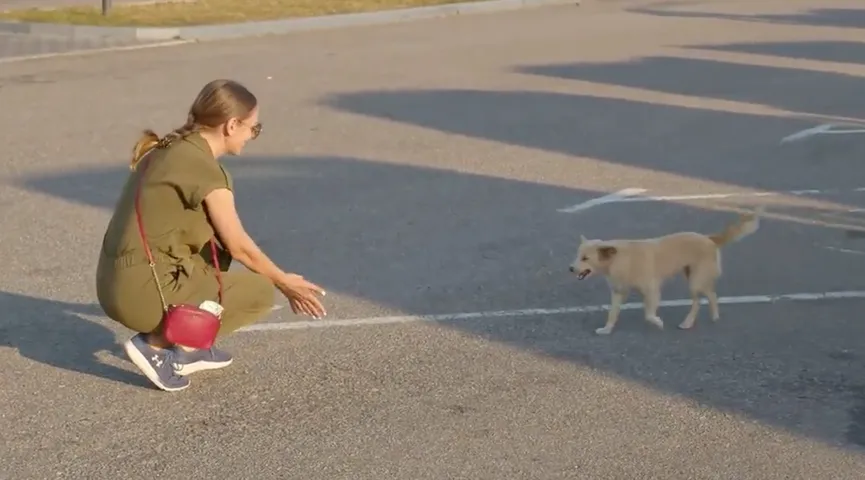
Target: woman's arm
[[226, 222], [223, 214]]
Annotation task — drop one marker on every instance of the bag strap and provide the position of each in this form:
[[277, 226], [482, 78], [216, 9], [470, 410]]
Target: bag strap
[[142, 167]]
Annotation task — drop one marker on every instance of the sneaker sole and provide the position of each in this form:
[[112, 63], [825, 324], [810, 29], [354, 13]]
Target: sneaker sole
[[138, 359], [201, 366]]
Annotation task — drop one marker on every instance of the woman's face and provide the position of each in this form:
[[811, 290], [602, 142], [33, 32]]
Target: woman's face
[[240, 131]]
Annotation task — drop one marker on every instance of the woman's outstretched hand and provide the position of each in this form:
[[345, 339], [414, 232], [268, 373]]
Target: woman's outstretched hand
[[302, 295]]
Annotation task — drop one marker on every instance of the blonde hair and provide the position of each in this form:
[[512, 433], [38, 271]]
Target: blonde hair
[[216, 103]]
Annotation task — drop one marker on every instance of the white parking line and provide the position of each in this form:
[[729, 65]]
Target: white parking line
[[611, 198], [845, 250], [538, 312], [825, 129], [633, 195]]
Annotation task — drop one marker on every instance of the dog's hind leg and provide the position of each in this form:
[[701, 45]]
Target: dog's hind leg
[[689, 320], [701, 281], [713, 304], [651, 301], [710, 294], [709, 288], [695, 301]]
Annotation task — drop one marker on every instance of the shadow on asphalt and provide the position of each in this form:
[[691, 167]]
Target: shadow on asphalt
[[784, 88], [424, 240], [817, 17], [822, 51], [53, 333]]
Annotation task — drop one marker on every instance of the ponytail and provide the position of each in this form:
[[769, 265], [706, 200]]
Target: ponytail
[[187, 129], [150, 140]]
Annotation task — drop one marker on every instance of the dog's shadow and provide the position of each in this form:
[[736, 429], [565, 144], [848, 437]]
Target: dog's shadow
[[54, 333]]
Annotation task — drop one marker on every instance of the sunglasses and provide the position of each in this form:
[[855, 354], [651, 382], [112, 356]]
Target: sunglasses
[[256, 130]]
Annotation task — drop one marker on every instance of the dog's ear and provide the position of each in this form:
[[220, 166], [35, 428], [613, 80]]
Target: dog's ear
[[606, 253], [583, 239]]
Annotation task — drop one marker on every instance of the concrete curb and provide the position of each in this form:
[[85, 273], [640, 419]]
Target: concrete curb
[[289, 25]]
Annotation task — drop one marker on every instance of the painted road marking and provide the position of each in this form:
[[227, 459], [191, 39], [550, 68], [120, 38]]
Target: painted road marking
[[536, 312], [618, 197], [845, 250], [611, 198], [825, 129]]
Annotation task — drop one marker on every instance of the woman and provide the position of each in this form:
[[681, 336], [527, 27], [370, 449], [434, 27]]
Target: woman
[[186, 199]]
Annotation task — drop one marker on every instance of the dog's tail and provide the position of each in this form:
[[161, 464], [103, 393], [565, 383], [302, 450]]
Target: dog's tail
[[747, 224]]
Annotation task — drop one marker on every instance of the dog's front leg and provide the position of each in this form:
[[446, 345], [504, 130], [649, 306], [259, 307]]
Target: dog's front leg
[[618, 296]]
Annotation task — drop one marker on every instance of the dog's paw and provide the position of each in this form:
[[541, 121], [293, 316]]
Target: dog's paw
[[715, 319], [686, 325], [656, 321], [603, 331]]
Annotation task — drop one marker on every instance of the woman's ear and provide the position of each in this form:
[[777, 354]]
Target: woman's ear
[[229, 127]]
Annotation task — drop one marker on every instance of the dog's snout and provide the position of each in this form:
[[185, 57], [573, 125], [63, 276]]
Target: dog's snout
[[572, 269]]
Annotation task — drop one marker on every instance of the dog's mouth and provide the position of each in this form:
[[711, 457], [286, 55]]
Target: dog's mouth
[[583, 274]]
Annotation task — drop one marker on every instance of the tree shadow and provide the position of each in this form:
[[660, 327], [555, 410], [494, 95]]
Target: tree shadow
[[53, 333], [817, 17], [736, 149], [786, 88], [422, 240], [824, 51]]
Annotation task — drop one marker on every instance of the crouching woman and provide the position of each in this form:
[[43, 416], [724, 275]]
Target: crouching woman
[[179, 198]]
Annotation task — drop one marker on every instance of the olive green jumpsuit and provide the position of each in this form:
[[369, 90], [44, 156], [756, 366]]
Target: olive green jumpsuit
[[176, 181]]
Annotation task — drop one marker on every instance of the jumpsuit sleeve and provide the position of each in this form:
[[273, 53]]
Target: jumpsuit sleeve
[[200, 178]]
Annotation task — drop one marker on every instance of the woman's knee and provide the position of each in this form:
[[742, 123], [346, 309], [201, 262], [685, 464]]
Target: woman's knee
[[251, 292], [263, 293], [248, 299]]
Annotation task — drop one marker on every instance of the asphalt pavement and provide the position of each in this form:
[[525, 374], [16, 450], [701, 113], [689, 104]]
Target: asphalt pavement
[[420, 169]]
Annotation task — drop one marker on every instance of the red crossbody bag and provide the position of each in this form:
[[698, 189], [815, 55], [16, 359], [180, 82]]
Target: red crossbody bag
[[184, 324]]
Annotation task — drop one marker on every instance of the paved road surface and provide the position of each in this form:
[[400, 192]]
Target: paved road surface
[[418, 169]]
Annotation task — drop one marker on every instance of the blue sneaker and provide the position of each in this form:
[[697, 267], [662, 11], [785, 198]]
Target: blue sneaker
[[187, 363], [157, 364]]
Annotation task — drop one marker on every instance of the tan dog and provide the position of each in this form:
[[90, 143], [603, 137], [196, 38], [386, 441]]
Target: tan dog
[[645, 264]]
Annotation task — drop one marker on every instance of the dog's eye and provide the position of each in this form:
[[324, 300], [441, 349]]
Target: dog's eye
[[585, 258]]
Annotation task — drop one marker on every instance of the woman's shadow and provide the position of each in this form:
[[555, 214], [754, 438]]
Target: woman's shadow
[[55, 334]]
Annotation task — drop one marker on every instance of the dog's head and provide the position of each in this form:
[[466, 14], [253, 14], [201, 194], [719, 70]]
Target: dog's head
[[592, 256]]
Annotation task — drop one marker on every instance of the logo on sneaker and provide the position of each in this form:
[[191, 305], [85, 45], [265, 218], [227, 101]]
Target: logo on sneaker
[[156, 360]]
